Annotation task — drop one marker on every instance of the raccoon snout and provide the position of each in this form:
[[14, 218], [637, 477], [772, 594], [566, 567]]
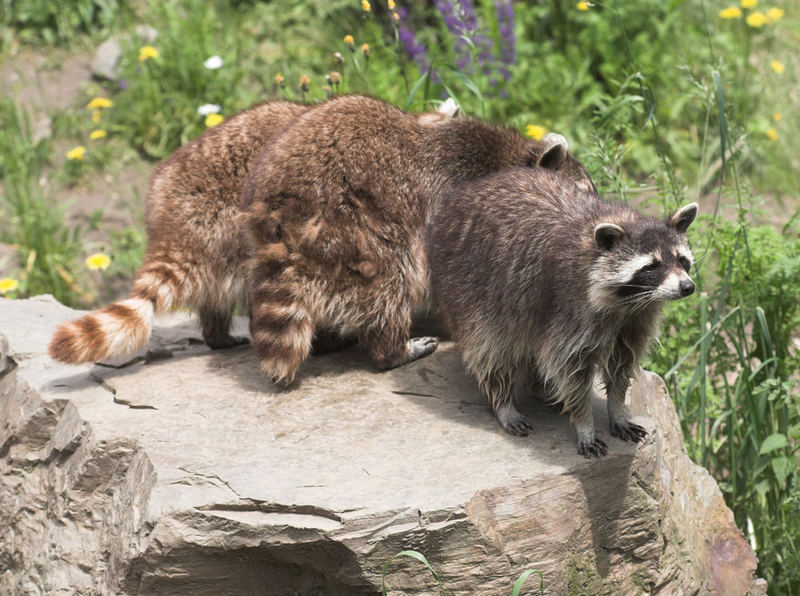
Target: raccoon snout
[[686, 287]]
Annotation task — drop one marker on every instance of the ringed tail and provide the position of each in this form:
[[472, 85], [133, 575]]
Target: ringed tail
[[124, 327]]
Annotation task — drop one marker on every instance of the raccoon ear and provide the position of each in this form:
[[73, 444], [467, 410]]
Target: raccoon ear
[[449, 108], [684, 217], [554, 153], [606, 235]]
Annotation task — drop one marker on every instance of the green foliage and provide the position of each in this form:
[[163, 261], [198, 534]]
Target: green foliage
[[46, 248], [45, 21]]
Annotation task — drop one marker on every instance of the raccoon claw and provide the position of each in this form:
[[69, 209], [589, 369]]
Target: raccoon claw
[[228, 341], [591, 448], [628, 431], [513, 422]]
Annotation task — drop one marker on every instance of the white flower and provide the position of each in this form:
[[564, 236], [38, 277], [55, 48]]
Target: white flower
[[213, 63], [208, 108]]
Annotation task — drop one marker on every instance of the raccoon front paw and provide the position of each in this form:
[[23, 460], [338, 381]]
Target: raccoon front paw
[[627, 431], [419, 347], [592, 447], [512, 421]]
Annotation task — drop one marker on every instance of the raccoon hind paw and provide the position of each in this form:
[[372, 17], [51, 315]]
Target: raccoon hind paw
[[512, 421]]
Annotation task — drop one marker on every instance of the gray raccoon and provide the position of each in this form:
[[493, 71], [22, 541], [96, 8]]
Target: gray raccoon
[[542, 283]]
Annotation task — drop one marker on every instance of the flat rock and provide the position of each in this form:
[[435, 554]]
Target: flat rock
[[185, 471]]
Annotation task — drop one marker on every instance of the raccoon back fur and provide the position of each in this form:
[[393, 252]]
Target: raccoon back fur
[[542, 283], [336, 209]]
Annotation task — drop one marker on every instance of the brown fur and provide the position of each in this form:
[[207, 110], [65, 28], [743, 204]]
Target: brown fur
[[361, 174], [195, 250]]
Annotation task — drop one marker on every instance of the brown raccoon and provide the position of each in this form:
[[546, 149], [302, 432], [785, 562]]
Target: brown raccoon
[[542, 283], [336, 208], [196, 248]]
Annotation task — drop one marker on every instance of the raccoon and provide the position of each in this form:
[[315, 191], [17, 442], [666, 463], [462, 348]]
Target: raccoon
[[336, 209], [542, 283], [195, 250]]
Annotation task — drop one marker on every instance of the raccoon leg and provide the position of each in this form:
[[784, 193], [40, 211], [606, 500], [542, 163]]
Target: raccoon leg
[[216, 324], [501, 386], [281, 328], [574, 390], [616, 376], [329, 341]]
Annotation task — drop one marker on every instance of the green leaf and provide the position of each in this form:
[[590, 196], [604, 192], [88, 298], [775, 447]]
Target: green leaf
[[773, 442], [782, 466], [414, 555], [521, 580], [762, 488]]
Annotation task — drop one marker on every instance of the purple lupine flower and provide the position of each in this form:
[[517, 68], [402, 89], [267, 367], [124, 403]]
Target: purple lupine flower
[[460, 19], [123, 84], [508, 40], [415, 49]]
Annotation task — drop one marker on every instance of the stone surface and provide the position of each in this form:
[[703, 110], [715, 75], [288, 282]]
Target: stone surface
[[186, 472]]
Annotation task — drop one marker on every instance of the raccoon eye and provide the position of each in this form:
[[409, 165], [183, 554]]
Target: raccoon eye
[[651, 267], [684, 263]]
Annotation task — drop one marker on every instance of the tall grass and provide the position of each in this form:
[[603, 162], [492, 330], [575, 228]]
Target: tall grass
[[47, 250]]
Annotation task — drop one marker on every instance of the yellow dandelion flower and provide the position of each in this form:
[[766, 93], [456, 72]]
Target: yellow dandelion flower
[[777, 66], [96, 116], [775, 14], [772, 134], [391, 4], [732, 12], [76, 153], [147, 52], [213, 119], [8, 284], [777, 116], [535, 131], [279, 80], [395, 17], [756, 19], [365, 50], [366, 5], [98, 134], [99, 103], [349, 40], [304, 83], [334, 77], [583, 6], [749, 3], [98, 261]]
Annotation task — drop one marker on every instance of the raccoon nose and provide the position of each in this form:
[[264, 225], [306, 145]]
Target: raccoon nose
[[687, 287]]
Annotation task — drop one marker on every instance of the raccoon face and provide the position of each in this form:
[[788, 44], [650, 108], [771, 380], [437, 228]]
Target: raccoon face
[[648, 262]]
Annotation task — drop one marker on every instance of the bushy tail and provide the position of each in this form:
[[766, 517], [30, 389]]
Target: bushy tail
[[125, 326], [117, 330]]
